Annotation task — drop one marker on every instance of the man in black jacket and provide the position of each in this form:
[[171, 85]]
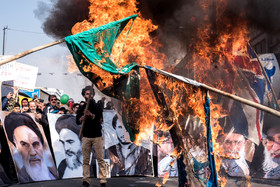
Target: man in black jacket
[[92, 135]]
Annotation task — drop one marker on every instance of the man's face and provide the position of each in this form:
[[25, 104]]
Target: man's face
[[29, 145], [53, 101], [16, 109], [75, 109], [24, 103], [32, 107], [87, 93], [25, 109], [273, 142], [233, 145], [72, 147], [119, 131]]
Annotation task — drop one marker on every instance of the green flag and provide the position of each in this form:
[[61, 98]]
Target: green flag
[[94, 47]]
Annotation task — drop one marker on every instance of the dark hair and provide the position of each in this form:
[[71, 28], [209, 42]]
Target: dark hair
[[76, 105], [270, 121], [14, 120], [86, 89], [114, 121], [50, 96], [3, 98], [17, 105], [24, 99], [67, 122]]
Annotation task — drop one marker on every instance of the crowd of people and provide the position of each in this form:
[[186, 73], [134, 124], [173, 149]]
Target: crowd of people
[[40, 109]]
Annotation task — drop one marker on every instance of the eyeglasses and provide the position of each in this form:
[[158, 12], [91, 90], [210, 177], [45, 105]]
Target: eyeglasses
[[269, 141], [53, 99], [87, 93]]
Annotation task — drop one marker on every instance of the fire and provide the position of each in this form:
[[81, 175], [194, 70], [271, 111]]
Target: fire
[[212, 55], [139, 46], [71, 65], [219, 44]]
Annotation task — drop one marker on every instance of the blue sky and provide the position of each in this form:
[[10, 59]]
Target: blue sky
[[25, 32]]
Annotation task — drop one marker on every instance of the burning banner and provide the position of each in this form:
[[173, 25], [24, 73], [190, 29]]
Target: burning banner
[[124, 83], [178, 98]]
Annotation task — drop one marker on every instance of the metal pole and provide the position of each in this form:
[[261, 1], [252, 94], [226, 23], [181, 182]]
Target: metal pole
[[4, 35]]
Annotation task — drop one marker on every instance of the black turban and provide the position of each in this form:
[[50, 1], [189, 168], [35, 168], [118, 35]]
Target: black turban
[[67, 122], [270, 121], [14, 120]]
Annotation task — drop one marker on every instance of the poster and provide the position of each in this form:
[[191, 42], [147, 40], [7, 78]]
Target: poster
[[66, 145], [107, 166], [126, 158], [29, 148], [166, 163]]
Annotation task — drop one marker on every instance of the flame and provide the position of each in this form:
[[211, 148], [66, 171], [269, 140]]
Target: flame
[[71, 65], [139, 46], [212, 53], [166, 176]]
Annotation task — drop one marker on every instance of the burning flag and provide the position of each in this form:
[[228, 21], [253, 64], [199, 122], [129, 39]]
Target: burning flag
[[92, 54], [91, 51]]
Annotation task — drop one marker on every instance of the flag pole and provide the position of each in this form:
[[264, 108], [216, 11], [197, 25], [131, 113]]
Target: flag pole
[[215, 90], [27, 52], [265, 74], [87, 106]]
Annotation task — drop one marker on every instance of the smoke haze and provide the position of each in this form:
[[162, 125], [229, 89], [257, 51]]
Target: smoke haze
[[178, 20]]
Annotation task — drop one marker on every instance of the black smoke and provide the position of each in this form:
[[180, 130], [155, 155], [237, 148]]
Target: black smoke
[[178, 20], [63, 15]]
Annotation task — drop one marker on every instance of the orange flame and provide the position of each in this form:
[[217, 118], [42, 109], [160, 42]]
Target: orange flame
[[141, 48]]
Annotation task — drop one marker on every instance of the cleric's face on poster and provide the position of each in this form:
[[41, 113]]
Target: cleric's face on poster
[[29, 146], [29, 149]]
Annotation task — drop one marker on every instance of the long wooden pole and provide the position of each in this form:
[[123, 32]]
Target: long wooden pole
[[197, 84], [22, 54], [87, 106], [265, 74], [242, 100]]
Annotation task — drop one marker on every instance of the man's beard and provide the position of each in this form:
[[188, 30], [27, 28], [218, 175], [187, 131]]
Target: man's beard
[[74, 160], [271, 165], [37, 172], [236, 167]]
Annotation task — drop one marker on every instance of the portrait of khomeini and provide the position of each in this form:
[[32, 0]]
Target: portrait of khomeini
[[29, 148]]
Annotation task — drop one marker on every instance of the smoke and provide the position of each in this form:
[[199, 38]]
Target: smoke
[[179, 20], [63, 15]]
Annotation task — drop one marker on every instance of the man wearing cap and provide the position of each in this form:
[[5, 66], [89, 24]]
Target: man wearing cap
[[271, 142], [91, 118], [25, 135], [68, 132]]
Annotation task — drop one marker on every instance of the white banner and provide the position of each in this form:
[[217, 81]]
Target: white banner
[[7, 71], [26, 76]]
